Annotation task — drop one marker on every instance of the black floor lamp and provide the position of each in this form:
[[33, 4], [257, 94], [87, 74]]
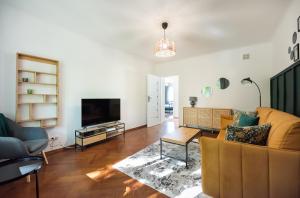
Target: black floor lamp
[[247, 81]]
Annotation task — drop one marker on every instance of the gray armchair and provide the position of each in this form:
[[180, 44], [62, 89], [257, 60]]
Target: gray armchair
[[22, 141]]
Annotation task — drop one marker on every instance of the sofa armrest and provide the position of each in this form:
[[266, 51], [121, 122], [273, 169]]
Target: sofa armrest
[[33, 133], [231, 169], [225, 121], [12, 148]]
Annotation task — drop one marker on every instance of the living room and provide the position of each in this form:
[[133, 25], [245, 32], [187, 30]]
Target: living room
[[115, 50]]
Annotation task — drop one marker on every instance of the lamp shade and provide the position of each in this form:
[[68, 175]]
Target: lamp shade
[[246, 81], [249, 81], [165, 48]]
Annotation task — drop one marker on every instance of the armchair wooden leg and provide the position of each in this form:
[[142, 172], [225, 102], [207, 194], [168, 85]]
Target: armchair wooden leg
[[28, 179], [45, 158]]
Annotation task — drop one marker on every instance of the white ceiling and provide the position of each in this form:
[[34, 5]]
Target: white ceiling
[[197, 26]]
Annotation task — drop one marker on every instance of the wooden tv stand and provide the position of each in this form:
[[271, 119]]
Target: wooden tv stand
[[91, 135]]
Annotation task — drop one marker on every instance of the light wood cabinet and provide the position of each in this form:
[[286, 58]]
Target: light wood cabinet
[[209, 118], [190, 116], [216, 121], [205, 116]]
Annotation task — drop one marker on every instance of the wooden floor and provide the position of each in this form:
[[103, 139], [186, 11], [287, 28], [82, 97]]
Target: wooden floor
[[90, 173]]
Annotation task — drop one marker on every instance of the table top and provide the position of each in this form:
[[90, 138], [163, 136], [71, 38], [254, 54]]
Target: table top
[[180, 135], [11, 170]]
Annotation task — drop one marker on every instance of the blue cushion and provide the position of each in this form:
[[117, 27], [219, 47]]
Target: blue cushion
[[36, 145], [3, 126], [248, 120]]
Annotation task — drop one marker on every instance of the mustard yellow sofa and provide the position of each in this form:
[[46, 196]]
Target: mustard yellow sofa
[[232, 169]]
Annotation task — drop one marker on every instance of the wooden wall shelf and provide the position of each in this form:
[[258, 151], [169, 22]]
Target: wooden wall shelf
[[37, 72], [34, 83], [41, 75]]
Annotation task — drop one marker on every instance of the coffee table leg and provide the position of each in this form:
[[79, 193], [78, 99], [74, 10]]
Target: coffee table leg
[[36, 184], [186, 155], [160, 149]]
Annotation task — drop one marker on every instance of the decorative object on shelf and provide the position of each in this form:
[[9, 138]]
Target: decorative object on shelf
[[249, 81], [37, 91], [193, 100], [294, 37], [25, 80], [296, 52], [29, 91], [165, 47], [289, 49], [223, 83], [206, 91]]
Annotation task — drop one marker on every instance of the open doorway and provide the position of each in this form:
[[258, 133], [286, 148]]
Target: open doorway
[[171, 97]]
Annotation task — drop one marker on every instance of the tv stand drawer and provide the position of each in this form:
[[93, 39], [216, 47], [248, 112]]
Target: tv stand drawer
[[90, 140]]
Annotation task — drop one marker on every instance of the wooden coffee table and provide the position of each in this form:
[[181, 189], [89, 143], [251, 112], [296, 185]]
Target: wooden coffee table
[[182, 137]]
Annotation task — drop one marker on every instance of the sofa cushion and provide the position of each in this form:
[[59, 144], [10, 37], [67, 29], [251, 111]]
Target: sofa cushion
[[226, 120], [285, 131], [251, 135], [247, 120], [237, 114], [263, 113], [35, 145]]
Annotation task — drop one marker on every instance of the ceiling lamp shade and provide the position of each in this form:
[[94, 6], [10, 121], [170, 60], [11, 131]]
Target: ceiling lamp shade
[[164, 47]]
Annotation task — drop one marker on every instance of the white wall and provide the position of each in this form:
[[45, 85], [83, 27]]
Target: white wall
[[282, 38], [195, 73], [88, 70]]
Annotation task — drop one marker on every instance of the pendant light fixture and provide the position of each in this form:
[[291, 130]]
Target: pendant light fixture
[[164, 47]]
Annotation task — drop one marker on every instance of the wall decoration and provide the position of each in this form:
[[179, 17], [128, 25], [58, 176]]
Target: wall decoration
[[299, 24], [294, 37], [223, 83], [292, 55], [206, 91], [294, 49], [296, 52]]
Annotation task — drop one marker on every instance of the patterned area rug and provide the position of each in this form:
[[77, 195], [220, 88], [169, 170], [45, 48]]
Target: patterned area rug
[[168, 176]]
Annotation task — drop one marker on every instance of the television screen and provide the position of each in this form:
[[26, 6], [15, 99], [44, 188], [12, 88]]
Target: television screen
[[97, 111]]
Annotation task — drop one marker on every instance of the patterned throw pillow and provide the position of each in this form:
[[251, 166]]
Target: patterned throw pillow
[[237, 114], [251, 135]]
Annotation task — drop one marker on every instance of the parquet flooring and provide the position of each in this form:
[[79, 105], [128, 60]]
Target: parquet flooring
[[90, 173]]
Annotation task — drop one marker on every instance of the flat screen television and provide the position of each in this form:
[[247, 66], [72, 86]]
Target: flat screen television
[[98, 111]]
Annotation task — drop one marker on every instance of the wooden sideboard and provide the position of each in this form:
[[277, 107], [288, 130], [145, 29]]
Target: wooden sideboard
[[208, 118]]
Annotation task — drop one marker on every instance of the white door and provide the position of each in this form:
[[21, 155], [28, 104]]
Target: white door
[[153, 105]]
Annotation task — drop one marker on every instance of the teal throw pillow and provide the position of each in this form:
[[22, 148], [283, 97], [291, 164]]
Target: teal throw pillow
[[237, 114], [248, 120]]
